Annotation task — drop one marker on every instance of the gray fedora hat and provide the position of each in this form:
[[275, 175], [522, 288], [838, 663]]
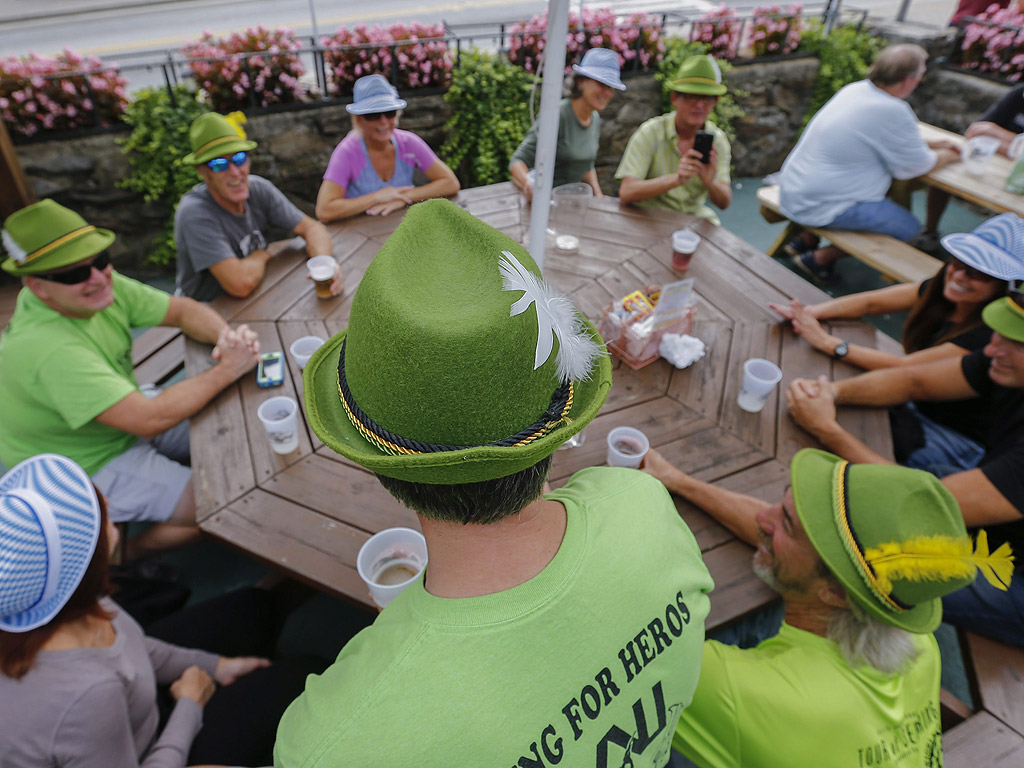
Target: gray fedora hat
[[601, 64]]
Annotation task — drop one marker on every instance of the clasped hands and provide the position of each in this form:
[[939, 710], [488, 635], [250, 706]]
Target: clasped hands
[[389, 199], [238, 347]]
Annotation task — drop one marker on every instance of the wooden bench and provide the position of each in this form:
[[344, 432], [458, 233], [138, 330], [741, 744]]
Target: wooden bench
[[894, 259]]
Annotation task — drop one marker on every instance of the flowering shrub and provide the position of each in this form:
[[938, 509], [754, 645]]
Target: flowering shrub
[[775, 31], [719, 30], [994, 47], [420, 64], [225, 84], [31, 100], [638, 36]]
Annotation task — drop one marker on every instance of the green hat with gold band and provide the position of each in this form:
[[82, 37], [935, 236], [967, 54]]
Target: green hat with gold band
[[459, 363], [700, 75], [212, 135], [1005, 316], [894, 537], [46, 236]]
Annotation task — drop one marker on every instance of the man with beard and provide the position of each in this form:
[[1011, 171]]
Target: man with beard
[[861, 555]]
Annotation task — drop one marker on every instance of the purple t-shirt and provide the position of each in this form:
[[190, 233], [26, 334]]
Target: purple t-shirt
[[350, 167]]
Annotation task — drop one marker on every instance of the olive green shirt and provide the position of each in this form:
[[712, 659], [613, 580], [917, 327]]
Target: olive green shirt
[[653, 151]]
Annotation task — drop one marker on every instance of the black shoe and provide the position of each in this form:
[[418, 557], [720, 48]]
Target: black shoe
[[798, 245], [822, 273]]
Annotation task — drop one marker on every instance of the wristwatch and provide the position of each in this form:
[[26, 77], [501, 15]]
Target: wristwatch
[[841, 350]]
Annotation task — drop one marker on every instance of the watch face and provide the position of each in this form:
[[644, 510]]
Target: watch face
[[841, 349]]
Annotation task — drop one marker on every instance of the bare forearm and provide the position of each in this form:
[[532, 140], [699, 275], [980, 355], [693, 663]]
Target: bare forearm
[[733, 510], [343, 207], [444, 187], [720, 194], [198, 321], [318, 241], [590, 177], [876, 388], [842, 443], [637, 190]]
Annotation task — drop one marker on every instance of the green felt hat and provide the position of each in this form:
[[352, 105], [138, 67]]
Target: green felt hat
[[459, 363], [698, 74], [894, 537], [212, 135], [1006, 317], [46, 236]]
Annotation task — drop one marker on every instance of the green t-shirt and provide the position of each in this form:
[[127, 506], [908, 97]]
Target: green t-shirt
[[588, 663], [653, 151], [793, 701], [58, 373], [576, 149]]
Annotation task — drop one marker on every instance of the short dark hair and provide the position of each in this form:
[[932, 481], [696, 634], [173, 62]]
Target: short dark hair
[[485, 502], [896, 63], [575, 91]]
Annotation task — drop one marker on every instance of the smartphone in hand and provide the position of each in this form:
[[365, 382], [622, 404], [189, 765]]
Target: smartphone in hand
[[702, 143]]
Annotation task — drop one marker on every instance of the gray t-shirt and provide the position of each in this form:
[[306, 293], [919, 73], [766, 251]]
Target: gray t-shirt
[[206, 233], [576, 149], [96, 707]]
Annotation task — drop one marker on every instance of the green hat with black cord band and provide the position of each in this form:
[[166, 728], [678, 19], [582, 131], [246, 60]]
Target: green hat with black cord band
[[460, 363], [1005, 316], [699, 75]]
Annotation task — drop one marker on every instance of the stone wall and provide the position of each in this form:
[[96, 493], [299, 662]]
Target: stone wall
[[295, 146]]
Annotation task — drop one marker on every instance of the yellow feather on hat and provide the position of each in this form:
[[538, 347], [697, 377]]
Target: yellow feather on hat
[[237, 120], [940, 558]]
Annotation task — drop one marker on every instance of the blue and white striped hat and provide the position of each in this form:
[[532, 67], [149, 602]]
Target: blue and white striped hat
[[601, 64], [49, 524], [372, 94], [995, 247]]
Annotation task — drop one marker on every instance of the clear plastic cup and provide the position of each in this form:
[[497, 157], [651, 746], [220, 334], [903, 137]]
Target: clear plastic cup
[[570, 203], [390, 561], [575, 441], [759, 379], [280, 418], [321, 269], [977, 154], [303, 349], [627, 447], [684, 243]]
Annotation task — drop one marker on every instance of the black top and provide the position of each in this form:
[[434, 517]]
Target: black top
[[1004, 446], [1008, 112], [972, 417]]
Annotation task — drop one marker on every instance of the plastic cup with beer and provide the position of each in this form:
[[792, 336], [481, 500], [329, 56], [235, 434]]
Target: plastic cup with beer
[[759, 379], [321, 269], [977, 154], [684, 243], [390, 561], [280, 418], [627, 447]]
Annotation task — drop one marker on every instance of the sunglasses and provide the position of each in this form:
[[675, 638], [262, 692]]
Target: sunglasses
[[78, 274], [374, 116], [699, 97], [220, 164], [970, 272], [1016, 292]]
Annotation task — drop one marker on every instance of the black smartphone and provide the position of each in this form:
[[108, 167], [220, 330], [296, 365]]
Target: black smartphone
[[702, 143]]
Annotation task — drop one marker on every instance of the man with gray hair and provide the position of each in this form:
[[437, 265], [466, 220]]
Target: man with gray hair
[[839, 172], [861, 555]]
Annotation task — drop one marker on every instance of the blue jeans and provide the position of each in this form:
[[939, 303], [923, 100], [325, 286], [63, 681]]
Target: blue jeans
[[945, 451], [882, 216], [985, 610]]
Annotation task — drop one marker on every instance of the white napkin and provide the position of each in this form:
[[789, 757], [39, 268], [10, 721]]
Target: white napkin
[[682, 350]]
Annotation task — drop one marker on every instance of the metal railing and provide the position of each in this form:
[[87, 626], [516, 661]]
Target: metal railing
[[174, 66]]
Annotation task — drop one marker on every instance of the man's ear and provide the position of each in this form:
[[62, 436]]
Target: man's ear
[[37, 286], [833, 595]]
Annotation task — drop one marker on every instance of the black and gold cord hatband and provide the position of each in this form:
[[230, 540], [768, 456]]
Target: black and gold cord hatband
[[389, 442]]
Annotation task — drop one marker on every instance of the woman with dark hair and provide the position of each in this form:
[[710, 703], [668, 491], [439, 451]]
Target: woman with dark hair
[[595, 79], [80, 682], [944, 320]]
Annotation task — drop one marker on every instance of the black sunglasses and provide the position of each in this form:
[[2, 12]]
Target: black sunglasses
[[1016, 292], [220, 164], [972, 273], [78, 274], [374, 116]]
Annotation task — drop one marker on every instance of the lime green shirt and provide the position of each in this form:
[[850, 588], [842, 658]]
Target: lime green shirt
[[58, 373], [794, 701], [653, 151], [587, 663]]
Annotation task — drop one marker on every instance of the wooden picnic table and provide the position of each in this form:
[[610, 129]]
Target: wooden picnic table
[[309, 512], [986, 191]]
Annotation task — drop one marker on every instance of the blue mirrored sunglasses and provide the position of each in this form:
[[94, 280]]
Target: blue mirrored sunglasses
[[220, 164]]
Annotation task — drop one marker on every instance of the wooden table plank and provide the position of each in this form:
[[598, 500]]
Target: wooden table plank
[[982, 741]]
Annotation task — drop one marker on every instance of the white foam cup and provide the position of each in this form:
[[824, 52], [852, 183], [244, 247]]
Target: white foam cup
[[303, 349], [280, 418], [627, 447], [759, 379], [390, 561]]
